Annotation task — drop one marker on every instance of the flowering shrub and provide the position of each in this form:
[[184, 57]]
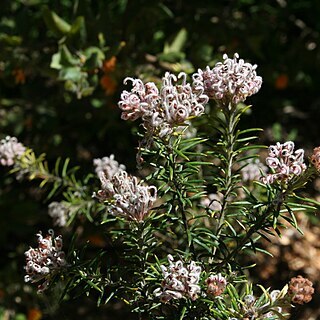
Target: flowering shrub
[[169, 212]]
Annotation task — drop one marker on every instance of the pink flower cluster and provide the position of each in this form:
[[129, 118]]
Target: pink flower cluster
[[301, 289], [165, 109], [126, 196], [179, 281], [10, 149], [230, 81], [216, 285], [44, 261], [108, 166], [284, 162]]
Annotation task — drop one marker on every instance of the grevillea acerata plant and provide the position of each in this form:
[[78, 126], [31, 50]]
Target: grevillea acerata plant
[[183, 225]]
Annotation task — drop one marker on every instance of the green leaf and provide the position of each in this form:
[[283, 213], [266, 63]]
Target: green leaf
[[246, 139], [94, 57], [71, 73], [55, 23], [66, 57], [178, 42], [248, 130], [10, 40], [65, 167], [264, 251], [55, 61], [87, 91], [184, 310], [246, 148], [294, 220], [93, 285], [78, 27], [171, 57], [181, 154], [53, 190]]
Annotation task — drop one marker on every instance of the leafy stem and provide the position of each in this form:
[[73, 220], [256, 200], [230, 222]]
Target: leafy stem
[[178, 189], [273, 209], [228, 121]]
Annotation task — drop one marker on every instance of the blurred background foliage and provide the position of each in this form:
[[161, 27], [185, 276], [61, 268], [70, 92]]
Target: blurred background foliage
[[62, 65]]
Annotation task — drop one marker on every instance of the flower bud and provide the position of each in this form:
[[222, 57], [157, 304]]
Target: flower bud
[[301, 290]]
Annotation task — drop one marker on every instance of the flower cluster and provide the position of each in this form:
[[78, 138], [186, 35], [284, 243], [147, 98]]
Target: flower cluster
[[252, 170], [315, 158], [285, 162], [10, 149], [216, 285], [249, 309], [126, 196], [44, 261], [274, 296], [179, 281], [301, 290], [230, 81], [253, 309], [59, 213], [165, 109], [108, 166]]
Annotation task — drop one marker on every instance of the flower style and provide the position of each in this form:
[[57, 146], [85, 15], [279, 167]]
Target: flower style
[[126, 196], [179, 281], [230, 81], [216, 285], [285, 162], [108, 165], [44, 261], [59, 213], [10, 149], [163, 110], [301, 290]]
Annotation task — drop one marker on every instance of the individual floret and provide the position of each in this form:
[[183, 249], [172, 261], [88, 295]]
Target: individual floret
[[179, 281]]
